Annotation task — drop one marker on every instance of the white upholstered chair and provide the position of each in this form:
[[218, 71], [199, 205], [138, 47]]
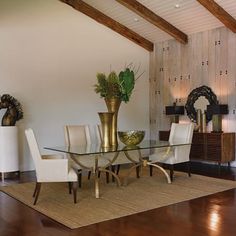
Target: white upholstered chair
[[76, 135], [179, 133], [50, 168], [122, 158]]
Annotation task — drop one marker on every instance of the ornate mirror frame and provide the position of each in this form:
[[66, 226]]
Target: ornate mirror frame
[[204, 91]]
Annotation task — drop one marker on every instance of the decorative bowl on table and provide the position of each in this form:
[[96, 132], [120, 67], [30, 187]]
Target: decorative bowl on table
[[131, 137]]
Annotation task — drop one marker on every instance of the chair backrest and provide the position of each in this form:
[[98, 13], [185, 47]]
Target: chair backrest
[[44, 167], [33, 147], [181, 133], [77, 135]]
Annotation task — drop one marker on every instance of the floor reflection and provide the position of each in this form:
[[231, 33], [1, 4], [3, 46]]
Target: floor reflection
[[214, 219]]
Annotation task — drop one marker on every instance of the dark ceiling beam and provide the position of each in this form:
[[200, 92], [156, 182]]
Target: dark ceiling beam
[[219, 13], [109, 22], [156, 20]]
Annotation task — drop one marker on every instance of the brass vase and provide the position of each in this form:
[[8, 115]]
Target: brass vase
[[113, 105], [199, 120], [106, 119], [204, 125]]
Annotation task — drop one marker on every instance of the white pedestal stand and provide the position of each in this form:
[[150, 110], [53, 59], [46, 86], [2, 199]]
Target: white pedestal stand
[[9, 157]]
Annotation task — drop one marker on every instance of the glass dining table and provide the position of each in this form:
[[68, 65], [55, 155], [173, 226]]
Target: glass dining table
[[93, 157]]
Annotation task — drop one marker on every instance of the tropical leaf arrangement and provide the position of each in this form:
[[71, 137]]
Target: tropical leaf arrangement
[[119, 86]]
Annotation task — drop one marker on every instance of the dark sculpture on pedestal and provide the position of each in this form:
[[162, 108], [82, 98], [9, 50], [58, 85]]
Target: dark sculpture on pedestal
[[14, 110]]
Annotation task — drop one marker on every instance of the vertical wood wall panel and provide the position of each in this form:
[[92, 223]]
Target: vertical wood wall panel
[[197, 60], [166, 80], [209, 59], [205, 58], [223, 90], [217, 64], [231, 83], [210, 80], [152, 85], [160, 83], [184, 73], [187, 53]]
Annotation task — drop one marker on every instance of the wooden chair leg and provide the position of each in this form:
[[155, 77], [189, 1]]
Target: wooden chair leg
[[171, 172], [89, 174], [38, 187], [80, 179], [189, 168], [151, 170], [113, 170], [118, 169], [35, 190], [70, 187], [107, 176], [137, 172], [75, 188]]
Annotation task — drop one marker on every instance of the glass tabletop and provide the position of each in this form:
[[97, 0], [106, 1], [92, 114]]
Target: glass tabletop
[[96, 148]]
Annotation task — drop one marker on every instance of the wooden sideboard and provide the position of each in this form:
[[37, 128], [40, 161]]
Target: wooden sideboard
[[217, 147]]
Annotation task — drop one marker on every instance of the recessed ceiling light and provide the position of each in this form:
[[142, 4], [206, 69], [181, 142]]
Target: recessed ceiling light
[[177, 5], [136, 19]]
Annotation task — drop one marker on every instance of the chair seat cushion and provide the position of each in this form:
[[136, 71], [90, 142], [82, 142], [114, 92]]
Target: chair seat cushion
[[88, 161], [166, 159], [72, 176], [162, 157]]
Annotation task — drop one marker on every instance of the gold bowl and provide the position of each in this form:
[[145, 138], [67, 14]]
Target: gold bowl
[[131, 137]]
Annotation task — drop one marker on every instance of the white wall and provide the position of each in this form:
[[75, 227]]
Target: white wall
[[49, 57]]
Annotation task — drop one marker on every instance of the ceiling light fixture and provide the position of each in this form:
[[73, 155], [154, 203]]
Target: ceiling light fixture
[[177, 5], [136, 19]]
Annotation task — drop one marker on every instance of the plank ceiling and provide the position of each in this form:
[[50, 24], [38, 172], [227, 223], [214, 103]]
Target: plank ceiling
[[190, 17]]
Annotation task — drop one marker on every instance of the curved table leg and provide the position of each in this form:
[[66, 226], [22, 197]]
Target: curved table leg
[[162, 169], [129, 172], [96, 169], [96, 186], [113, 174], [3, 177], [96, 173]]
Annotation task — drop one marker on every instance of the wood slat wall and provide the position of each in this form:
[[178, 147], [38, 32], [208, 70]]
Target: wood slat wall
[[209, 59]]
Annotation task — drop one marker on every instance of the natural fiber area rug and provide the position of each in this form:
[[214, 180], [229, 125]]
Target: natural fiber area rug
[[139, 195]]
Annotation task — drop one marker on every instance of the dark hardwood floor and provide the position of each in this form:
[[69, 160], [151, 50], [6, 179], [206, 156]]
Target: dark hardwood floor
[[212, 215]]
